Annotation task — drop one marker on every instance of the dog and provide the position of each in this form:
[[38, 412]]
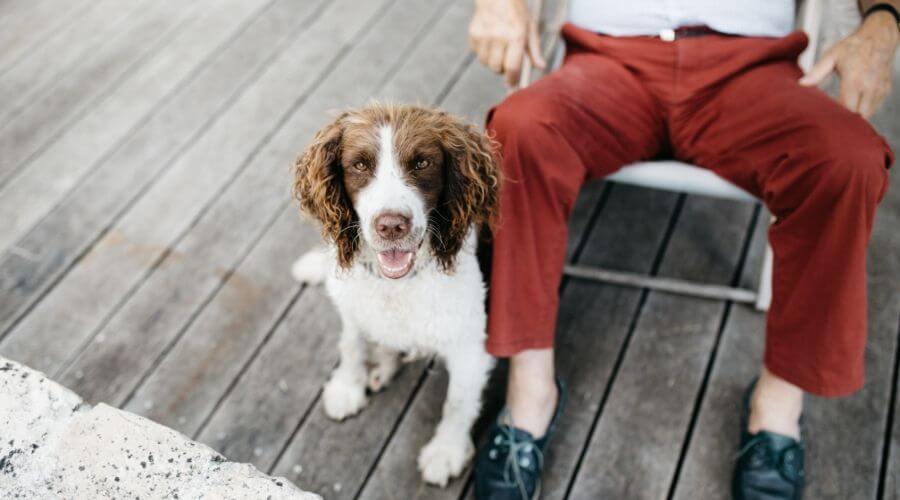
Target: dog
[[401, 193]]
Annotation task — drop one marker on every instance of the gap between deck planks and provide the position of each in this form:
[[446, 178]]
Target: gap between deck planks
[[122, 175], [228, 228], [638, 437], [75, 153], [206, 147]]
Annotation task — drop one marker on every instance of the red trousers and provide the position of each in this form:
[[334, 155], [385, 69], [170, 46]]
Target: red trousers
[[730, 104]]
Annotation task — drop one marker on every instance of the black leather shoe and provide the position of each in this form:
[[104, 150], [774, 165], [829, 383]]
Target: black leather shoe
[[769, 465], [508, 466]]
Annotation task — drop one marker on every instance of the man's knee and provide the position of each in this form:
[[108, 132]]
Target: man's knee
[[524, 118], [846, 161]]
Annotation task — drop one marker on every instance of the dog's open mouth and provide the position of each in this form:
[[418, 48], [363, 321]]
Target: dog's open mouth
[[396, 263]]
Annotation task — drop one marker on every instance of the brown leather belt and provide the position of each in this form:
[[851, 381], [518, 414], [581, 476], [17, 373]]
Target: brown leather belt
[[669, 35]]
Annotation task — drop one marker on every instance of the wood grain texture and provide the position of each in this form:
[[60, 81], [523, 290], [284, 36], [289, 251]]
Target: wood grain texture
[[240, 188], [212, 348], [28, 196], [120, 260], [706, 471], [256, 419], [24, 26], [29, 127], [634, 450], [31, 75], [38, 259]]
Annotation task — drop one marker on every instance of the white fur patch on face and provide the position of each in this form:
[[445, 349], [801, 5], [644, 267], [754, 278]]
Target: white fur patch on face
[[388, 192]]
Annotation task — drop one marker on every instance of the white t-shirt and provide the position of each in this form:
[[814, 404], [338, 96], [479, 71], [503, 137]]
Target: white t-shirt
[[650, 17]]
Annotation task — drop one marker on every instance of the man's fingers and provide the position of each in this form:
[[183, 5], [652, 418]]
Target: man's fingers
[[480, 47], [496, 54], [534, 46], [512, 64], [820, 71]]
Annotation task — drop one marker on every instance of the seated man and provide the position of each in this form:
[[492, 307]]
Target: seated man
[[713, 83]]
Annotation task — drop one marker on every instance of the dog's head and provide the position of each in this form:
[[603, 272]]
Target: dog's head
[[395, 178]]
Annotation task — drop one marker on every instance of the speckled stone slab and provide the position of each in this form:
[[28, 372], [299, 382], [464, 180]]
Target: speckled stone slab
[[53, 445]]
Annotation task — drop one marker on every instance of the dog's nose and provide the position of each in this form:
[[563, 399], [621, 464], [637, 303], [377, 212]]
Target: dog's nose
[[392, 226]]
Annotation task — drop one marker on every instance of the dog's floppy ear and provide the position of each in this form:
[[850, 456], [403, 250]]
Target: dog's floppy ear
[[471, 188], [319, 186]]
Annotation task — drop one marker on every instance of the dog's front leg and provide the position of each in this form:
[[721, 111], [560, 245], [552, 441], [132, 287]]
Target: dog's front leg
[[385, 363], [345, 392], [451, 447]]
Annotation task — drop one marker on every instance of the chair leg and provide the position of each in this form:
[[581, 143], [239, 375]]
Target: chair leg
[[764, 296]]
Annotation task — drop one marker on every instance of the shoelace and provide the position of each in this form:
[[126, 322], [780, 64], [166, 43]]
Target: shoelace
[[764, 453], [513, 446]]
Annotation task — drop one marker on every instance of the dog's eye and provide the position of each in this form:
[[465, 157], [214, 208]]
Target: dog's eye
[[422, 164], [361, 166]]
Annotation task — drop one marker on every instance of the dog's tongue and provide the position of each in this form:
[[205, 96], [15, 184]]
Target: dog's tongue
[[395, 263]]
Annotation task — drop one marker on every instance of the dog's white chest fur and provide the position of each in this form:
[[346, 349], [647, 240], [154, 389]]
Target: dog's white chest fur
[[426, 311]]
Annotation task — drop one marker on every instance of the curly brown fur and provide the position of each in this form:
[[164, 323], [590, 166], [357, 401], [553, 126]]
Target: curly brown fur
[[319, 186]]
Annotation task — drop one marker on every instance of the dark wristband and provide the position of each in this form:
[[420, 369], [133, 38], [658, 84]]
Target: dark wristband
[[886, 7]]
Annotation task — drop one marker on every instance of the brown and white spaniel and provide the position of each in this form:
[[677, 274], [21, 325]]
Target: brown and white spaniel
[[401, 192]]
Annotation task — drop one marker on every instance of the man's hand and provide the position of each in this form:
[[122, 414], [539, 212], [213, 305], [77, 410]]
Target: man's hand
[[501, 32], [864, 62]]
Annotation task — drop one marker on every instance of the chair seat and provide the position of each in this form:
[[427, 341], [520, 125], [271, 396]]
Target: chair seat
[[674, 175]]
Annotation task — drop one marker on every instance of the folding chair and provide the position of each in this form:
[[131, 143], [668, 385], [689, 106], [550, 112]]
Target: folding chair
[[673, 175]]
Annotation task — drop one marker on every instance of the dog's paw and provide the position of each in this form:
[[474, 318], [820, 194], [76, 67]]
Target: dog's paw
[[312, 267], [342, 399], [442, 459], [379, 377], [382, 373]]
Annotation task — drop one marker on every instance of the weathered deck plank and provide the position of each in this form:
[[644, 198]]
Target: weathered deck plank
[[674, 336], [26, 25], [53, 106], [31, 75], [707, 466], [208, 357], [232, 224], [34, 265], [278, 389], [168, 214], [118, 262], [28, 196]]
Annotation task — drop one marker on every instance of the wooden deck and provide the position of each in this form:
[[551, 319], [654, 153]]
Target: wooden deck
[[147, 232]]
